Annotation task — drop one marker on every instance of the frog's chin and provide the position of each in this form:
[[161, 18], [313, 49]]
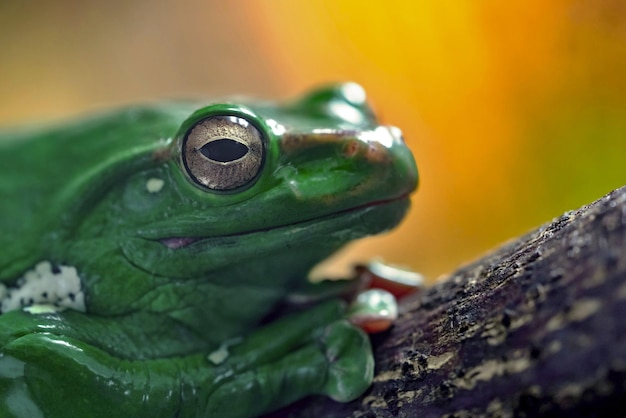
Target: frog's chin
[[175, 243]]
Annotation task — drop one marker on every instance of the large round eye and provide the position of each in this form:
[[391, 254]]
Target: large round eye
[[223, 152]]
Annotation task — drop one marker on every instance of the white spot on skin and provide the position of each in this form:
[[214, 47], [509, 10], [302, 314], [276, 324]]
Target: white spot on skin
[[220, 355], [41, 286], [43, 308], [154, 185]]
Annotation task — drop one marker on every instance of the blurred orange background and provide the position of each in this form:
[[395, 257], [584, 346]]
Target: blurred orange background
[[516, 111]]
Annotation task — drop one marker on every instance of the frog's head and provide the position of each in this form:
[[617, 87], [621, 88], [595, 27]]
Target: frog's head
[[251, 181], [255, 194]]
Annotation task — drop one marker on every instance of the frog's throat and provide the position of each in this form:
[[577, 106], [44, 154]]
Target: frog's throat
[[182, 242]]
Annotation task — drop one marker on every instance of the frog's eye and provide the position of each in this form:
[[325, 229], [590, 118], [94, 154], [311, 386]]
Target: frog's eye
[[223, 152]]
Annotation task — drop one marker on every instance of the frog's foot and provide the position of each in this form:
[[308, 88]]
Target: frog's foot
[[337, 362], [376, 309], [316, 351], [350, 361], [373, 311]]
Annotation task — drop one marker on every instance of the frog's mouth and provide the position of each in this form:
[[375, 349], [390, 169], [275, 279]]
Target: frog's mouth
[[180, 242], [310, 239]]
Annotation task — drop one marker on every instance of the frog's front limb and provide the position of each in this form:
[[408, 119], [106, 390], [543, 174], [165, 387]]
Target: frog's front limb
[[338, 364], [315, 352], [56, 376]]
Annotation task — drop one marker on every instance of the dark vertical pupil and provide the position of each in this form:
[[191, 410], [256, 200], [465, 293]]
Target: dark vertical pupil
[[224, 150]]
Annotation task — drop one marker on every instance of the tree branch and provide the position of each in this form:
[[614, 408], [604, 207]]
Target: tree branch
[[538, 327]]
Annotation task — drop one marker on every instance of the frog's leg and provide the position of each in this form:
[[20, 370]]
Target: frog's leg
[[47, 374], [332, 358], [339, 365]]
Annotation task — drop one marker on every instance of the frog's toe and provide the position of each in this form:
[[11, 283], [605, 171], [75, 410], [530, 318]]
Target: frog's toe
[[351, 363], [373, 311]]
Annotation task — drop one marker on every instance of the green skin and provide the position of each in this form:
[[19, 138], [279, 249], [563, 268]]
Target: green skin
[[76, 195]]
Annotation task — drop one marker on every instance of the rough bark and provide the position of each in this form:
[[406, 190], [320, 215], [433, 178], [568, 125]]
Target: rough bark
[[536, 328]]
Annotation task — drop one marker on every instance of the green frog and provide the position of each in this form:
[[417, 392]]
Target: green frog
[[148, 252]]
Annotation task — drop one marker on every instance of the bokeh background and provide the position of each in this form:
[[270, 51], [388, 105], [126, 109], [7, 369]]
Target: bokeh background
[[516, 110]]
